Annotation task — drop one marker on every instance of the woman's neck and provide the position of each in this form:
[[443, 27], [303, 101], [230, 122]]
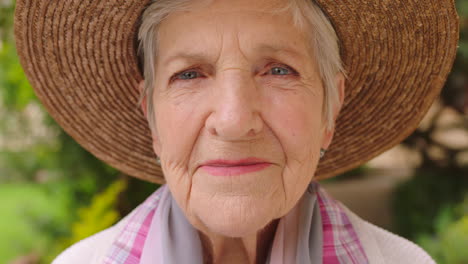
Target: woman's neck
[[250, 249]]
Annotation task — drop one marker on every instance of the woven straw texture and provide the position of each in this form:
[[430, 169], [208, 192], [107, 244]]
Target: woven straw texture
[[80, 57]]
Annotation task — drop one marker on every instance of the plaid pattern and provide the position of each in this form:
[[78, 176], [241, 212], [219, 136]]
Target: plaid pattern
[[341, 244], [340, 241], [127, 247]]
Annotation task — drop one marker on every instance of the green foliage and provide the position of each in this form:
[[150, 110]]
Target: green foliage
[[62, 161], [461, 64], [450, 243], [99, 215], [6, 20], [462, 9], [67, 171], [28, 213], [420, 200], [137, 191], [16, 92]]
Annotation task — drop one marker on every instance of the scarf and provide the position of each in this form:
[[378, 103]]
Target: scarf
[[316, 230]]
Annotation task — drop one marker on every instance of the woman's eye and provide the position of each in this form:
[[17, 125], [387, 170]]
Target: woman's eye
[[187, 75], [280, 71]]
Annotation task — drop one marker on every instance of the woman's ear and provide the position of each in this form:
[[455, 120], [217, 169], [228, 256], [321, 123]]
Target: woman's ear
[[154, 134], [340, 85], [141, 87]]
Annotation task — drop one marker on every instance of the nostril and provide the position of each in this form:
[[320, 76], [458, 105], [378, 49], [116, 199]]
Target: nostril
[[212, 131], [234, 117], [257, 124], [252, 132]]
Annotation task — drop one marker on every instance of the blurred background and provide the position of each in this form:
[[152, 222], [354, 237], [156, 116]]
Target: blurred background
[[53, 193]]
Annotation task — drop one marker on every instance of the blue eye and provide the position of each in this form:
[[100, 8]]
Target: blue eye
[[280, 71], [187, 75]]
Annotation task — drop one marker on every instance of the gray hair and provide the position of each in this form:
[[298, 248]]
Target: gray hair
[[324, 41]]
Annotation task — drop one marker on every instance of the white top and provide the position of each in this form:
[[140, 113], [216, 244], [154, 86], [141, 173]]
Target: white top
[[380, 246]]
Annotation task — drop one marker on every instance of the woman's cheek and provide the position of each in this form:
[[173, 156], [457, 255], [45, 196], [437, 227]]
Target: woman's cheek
[[294, 116], [175, 141]]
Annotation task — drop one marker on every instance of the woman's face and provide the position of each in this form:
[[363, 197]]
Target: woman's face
[[238, 107]]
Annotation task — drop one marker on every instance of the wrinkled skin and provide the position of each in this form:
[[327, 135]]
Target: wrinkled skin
[[234, 82]]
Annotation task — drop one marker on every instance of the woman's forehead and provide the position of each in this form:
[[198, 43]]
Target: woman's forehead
[[200, 32], [265, 49], [221, 6]]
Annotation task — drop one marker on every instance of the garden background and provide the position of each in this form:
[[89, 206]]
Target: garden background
[[54, 193]]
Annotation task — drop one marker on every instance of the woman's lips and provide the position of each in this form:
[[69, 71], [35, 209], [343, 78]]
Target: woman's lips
[[232, 168]]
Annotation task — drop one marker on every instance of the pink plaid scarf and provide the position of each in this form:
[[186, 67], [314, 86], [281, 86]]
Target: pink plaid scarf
[[340, 242]]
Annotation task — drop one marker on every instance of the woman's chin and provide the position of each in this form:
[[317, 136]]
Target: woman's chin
[[235, 217]]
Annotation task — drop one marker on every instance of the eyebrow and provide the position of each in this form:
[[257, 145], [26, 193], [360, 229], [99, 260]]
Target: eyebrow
[[188, 56], [280, 49], [203, 56]]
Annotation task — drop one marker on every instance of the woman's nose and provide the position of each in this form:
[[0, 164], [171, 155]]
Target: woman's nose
[[237, 105]]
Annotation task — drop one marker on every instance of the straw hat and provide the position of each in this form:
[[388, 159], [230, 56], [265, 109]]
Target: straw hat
[[80, 57]]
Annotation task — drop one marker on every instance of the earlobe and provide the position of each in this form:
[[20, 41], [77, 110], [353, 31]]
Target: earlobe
[[327, 139]]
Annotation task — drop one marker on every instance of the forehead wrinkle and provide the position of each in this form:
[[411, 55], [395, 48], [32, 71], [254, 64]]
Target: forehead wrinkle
[[263, 49], [258, 6], [234, 68], [282, 51], [220, 50], [266, 48], [187, 56], [232, 43], [239, 43]]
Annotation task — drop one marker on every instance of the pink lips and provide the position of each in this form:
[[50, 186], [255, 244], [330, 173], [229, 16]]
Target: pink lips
[[234, 167]]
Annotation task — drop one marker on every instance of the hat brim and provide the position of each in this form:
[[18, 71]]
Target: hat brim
[[80, 57]]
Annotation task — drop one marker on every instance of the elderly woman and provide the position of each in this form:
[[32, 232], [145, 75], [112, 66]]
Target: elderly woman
[[240, 100]]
